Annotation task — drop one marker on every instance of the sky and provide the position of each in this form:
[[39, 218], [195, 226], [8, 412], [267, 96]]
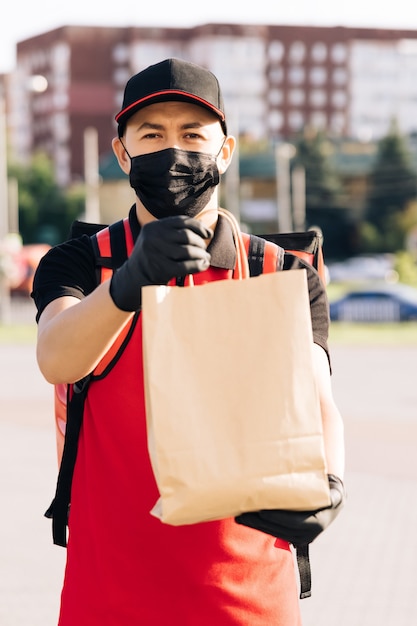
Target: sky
[[27, 18]]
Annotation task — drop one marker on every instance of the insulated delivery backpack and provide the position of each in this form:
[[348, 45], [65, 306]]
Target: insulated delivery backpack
[[112, 246]]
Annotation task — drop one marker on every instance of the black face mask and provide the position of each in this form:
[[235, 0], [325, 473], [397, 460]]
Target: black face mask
[[173, 181]]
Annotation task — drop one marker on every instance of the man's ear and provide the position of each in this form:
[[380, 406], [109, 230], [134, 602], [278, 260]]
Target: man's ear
[[121, 155], [226, 154]]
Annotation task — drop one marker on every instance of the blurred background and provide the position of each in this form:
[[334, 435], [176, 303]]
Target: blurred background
[[324, 109], [323, 100]]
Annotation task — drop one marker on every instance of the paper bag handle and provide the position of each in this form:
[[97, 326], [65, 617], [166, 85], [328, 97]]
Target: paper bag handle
[[241, 269], [242, 265]]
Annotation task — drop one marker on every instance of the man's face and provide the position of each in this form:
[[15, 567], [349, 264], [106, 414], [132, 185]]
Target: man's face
[[173, 125]]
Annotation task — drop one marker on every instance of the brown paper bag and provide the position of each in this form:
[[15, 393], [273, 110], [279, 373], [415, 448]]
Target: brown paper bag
[[232, 407]]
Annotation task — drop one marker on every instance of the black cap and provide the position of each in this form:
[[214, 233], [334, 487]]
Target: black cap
[[172, 79]]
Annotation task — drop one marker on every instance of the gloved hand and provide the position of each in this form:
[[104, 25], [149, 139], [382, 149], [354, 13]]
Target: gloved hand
[[297, 527], [172, 246]]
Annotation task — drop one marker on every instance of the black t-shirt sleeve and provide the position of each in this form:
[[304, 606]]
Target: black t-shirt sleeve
[[66, 270], [319, 305]]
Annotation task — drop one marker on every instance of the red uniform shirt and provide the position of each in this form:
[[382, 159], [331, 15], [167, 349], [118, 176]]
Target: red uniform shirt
[[124, 566]]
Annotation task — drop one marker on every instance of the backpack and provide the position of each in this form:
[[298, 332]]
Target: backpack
[[112, 246]]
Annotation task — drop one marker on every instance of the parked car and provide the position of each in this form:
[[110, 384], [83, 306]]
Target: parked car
[[26, 261], [362, 268], [388, 303]]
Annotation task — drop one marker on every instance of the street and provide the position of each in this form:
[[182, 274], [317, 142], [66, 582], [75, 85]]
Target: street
[[363, 566], [363, 571]]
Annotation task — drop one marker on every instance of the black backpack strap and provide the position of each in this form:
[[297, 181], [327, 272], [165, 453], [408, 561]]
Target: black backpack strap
[[304, 569], [257, 250], [59, 509], [256, 255]]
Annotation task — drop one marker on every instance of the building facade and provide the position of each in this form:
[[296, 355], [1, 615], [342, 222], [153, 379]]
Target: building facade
[[277, 80]]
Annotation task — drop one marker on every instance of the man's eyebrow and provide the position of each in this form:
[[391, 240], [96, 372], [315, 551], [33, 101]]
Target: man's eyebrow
[[152, 125], [155, 126], [192, 125]]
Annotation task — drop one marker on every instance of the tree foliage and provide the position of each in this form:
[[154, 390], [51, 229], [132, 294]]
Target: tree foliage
[[323, 187], [324, 194], [392, 187], [45, 210]]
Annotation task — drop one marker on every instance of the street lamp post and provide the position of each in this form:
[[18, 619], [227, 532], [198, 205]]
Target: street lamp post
[[5, 302], [299, 197], [284, 152], [91, 175]]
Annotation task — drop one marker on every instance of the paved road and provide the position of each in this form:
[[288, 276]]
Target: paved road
[[363, 566], [30, 567]]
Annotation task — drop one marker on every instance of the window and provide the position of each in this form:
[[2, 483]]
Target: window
[[318, 75], [61, 127], [121, 53], [276, 75], [276, 50], [319, 52], [339, 52], [295, 120], [61, 99], [318, 97], [121, 76], [62, 160], [296, 75], [118, 98], [296, 96], [275, 96], [339, 76], [297, 52], [276, 120], [61, 55]]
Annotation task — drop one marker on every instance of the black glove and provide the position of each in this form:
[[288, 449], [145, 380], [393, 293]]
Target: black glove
[[172, 246], [297, 527]]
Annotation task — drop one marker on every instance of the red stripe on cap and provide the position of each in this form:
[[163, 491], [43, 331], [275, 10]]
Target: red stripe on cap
[[171, 92]]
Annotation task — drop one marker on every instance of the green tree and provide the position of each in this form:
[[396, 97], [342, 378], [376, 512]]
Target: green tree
[[324, 194], [392, 186], [406, 268], [45, 210], [323, 187]]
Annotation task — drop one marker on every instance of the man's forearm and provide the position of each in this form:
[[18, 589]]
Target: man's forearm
[[73, 335]]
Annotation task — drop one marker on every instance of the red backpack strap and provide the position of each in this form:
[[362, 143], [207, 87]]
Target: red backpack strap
[[263, 256], [113, 245]]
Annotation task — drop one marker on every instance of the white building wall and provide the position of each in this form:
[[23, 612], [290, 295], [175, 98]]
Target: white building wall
[[383, 87]]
